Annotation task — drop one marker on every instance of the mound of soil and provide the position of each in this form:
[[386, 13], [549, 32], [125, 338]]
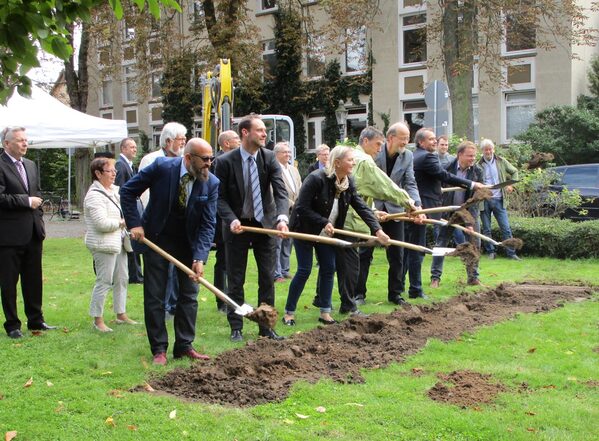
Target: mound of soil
[[465, 388], [264, 370]]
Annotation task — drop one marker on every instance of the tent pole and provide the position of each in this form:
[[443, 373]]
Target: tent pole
[[70, 151]]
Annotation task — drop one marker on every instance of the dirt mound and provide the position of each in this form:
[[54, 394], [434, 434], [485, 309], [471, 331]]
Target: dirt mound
[[469, 255], [264, 370], [465, 388]]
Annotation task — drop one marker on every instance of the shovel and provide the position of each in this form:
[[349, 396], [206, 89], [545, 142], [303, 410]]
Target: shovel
[[492, 187], [438, 251], [424, 211], [241, 310], [302, 236]]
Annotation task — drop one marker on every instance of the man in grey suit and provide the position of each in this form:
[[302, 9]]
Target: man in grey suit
[[252, 193], [397, 162]]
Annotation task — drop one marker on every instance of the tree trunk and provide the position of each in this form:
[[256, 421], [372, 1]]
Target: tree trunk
[[459, 39], [77, 87]]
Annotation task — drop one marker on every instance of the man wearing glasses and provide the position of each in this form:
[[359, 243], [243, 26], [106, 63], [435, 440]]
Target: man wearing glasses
[[22, 233], [180, 218]]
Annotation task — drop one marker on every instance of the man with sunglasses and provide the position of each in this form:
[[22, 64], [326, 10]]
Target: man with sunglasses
[[180, 218], [21, 234]]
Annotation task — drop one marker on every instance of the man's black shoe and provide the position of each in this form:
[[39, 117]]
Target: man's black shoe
[[419, 296], [398, 300], [41, 327], [15, 333], [270, 333], [236, 335]]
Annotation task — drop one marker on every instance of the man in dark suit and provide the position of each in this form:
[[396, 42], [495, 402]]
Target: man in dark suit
[[429, 176], [252, 193], [125, 170], [180, 218], [21, 234]]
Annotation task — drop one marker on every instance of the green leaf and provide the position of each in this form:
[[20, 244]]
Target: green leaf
[[172, 4], [117, 7], [61, 49], [24, 88], [9, 64], [154, 8]]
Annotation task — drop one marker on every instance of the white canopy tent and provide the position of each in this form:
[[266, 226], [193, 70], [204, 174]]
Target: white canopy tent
[[51, 124]]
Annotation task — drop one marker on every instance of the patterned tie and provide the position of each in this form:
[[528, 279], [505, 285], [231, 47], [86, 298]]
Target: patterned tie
[[255, 186], [21, 170], [186, 179]]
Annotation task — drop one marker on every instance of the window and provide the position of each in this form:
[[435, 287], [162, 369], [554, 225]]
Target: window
[[520, 34], [581, 176], [315, 60], [411, 84], [355, 50], [520, 74], [106, 93], [156, 89], [314, 131], [196, 11], [156, 131], [269, 56], [412, 39], [356, 121], [131, 117], [519, 112], [267, 5], [107, 115], [104, 56], [475, 114], [129, 86], [155, 113], [128, 31], [413, 114]]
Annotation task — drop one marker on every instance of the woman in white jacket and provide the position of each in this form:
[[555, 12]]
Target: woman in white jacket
[[104, 238]]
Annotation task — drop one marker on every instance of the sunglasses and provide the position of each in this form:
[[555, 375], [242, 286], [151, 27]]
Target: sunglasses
[[203, 158]]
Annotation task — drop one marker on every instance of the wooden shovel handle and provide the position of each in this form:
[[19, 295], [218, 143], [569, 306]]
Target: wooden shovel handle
[[444, 223], [397, 243], [217, 292], [424, 211], [301, 236]]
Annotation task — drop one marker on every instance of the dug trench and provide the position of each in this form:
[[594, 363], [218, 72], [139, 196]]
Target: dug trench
[[264, 370]]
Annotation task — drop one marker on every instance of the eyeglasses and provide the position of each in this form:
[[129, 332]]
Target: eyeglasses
[[203, 158], [180, 138], [109, 171]]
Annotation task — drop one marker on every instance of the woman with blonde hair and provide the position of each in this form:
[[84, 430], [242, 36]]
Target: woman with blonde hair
[[105, 238]]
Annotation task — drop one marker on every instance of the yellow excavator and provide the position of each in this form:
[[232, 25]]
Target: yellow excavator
[[217, 110]]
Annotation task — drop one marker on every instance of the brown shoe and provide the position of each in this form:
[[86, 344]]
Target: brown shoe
[[434, 283], [475, 282], [159, 359], [193, 354]]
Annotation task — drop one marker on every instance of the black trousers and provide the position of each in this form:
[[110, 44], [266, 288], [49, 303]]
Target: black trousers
[[25, 262], [220, 262], [395, 274], [347, 261], [135, 272], [237, 248], [155, 278]]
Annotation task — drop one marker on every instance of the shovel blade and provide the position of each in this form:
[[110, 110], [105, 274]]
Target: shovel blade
[[440, 251], [244, 309]]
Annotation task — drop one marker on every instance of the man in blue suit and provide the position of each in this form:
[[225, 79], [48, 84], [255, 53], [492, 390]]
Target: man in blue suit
[[180, 218]]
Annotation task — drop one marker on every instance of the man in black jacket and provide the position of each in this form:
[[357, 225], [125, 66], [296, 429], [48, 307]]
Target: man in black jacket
[[429, 177], [464, 166], [322, 157]]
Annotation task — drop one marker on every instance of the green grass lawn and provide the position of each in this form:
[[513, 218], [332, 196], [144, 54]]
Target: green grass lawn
[[80, 380]]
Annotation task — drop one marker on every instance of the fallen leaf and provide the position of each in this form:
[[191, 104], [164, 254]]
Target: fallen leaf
[[531, 429], [530, 413], [173, 414], [203, 299], [572, 379], [49, 383], [301, 417], [1, 397], [144, 362], [288, 421], [549, 386], [417, 371], [569, 353], [116, 393], [8, 436], [66, 330], [110, 422], [149, 388], [378, 303], [321, 409], [354, 404], [36, 333], [106, 373], [29, 382], [18, 345], [60, 407], [531, 350], [132, 427]]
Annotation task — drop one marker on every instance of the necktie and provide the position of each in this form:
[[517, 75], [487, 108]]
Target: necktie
[[186, 179], [255, 186], [21, 170]]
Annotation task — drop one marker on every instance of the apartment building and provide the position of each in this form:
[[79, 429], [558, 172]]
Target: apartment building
[[400, 74]]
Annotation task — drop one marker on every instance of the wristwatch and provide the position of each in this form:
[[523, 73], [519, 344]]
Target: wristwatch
[[201, 261]]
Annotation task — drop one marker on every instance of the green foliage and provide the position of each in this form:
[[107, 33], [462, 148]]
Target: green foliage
[[27, 25], [593, 76], [53, 165], [533, 197], [570, 133], [517, 153], [181, 92], [557, 238]]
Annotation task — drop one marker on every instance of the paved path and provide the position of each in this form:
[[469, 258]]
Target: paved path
[[58, 227]]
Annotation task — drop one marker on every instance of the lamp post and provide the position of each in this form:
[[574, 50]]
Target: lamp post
[[341, 116]]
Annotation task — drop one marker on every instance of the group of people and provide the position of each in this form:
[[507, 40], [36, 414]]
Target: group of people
[[184, 199]]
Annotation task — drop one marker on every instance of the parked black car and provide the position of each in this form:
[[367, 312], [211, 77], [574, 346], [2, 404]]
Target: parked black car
[[585, 179]]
